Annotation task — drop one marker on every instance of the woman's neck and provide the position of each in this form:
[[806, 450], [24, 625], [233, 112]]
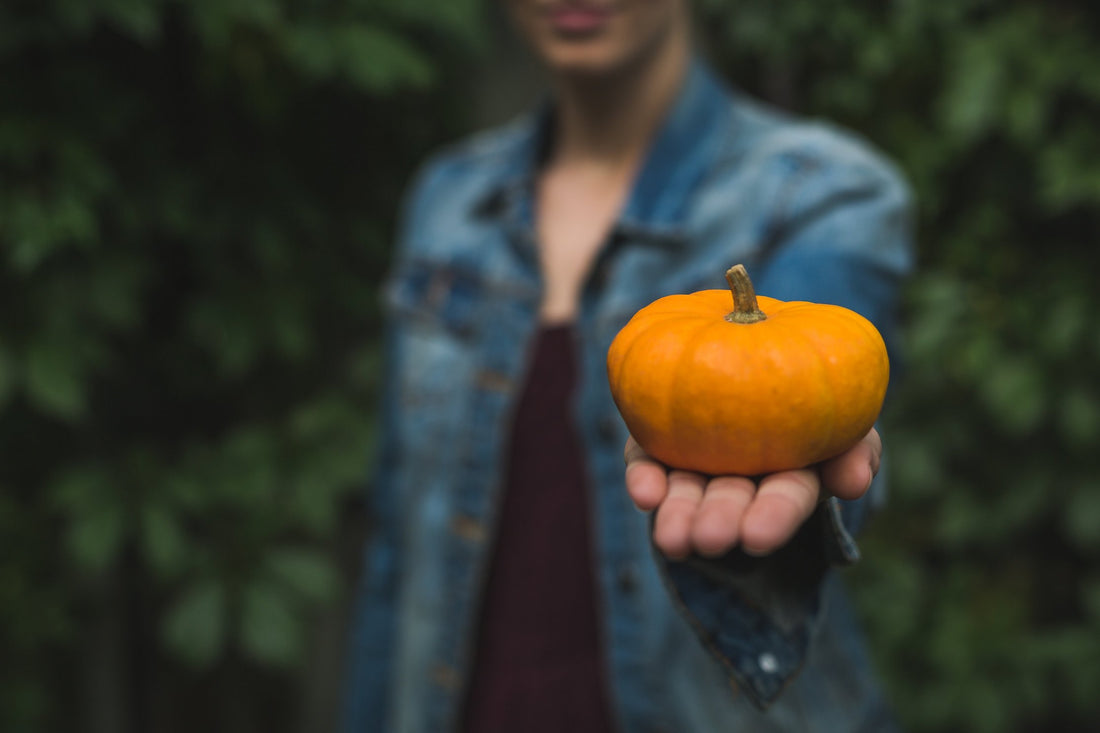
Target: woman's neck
[[609, 121]]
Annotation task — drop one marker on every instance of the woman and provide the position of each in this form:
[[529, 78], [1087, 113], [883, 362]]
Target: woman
[[509, 582]]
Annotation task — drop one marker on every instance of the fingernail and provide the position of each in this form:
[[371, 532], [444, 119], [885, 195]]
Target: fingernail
[[754, 551]]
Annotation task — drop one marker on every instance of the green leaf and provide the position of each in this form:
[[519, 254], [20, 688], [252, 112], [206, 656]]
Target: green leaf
[[972, 97], [1081, 516], [43, 227], [270, 630], [249, 471], [113, 292], [139, 19], [224, 330], [373, 59], [463, 19], [163, 541], [53, 376], [1079, 416], [95, 537], [194, 627], [306, 573], [79, 490], [1067, 323], [1015, 393]]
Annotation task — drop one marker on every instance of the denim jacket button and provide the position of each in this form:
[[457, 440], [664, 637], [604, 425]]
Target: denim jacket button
[[493, 381], [627, 580], [445, 676], [468, 528], [607, 429], [768, 663]]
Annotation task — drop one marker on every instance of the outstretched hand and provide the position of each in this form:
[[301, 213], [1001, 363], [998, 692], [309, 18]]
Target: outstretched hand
[[711, 515]]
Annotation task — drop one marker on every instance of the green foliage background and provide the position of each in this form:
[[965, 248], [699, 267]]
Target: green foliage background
[[196, 205]]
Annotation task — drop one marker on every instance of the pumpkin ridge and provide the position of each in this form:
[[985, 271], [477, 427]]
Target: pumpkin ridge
[[663, 316], [855, 323], [869, 329], [822, 374], [637, 329], [637, 338], [859, 329], [792, 308], [678, 303], [687, 353]]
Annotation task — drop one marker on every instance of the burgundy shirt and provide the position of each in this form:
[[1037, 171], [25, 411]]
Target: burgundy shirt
[[539, 663]]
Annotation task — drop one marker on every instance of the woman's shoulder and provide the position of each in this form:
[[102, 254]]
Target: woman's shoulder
[[485, 156], [767, 138], [447, 194]]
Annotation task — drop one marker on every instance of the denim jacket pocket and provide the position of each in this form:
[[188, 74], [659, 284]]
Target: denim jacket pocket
[[434, 295], [434, 311]]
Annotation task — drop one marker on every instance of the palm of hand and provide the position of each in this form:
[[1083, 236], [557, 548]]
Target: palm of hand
[[712, 515]]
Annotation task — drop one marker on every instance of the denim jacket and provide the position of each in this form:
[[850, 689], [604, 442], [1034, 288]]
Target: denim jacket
[[736, 644]]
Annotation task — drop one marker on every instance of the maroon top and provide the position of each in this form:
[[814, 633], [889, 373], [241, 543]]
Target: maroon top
[[539, 662]]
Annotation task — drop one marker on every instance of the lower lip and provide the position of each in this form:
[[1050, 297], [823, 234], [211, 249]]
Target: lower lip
[[579, 20]]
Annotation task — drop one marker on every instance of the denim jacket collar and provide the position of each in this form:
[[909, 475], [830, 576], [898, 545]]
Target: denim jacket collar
[[686, 144]]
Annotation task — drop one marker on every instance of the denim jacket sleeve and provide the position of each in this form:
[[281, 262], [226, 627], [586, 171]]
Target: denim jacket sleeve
[[847, 244], [841, 235]]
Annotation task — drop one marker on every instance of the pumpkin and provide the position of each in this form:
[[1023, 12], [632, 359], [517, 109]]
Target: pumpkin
[[768, 386]]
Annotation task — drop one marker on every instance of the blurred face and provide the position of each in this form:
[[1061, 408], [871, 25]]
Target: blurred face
[[594, 37]]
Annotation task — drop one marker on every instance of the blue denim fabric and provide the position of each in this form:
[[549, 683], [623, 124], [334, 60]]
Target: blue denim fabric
[[737, 644]]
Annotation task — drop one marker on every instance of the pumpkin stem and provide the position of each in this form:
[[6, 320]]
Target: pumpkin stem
[[745, 308]]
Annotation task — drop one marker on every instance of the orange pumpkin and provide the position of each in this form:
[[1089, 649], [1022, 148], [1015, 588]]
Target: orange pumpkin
[[768, 386]]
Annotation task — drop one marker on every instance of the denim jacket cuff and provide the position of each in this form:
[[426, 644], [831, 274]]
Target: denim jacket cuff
[[757, 615]]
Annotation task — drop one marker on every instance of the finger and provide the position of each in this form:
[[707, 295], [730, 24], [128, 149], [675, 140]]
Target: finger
[[782, 503], [717, 523], [849, 475], [646, 479], [672, 526]]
